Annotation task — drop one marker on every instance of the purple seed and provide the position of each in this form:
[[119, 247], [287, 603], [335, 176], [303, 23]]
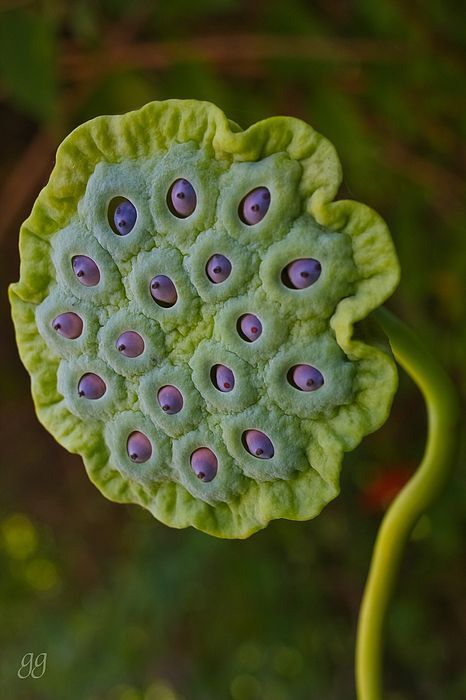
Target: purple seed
[[222, 378], [138, 447], [163, 291], [204, 464], [249, 327], [130, 344], [301, 273], [258, 444], [91, 386], [68, 325], [306, 377], [170, 399], [218, 268], [122, 215], [254, 206], [86, 270], [182, 198]]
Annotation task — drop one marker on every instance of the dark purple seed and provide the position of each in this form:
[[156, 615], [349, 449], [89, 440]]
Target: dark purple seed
[[301, 273], [204, 464], [306, 377], [182, 198], [130, 344], [218, 268], [69, 325], [170, 399], [86, 270], [254, 206], [222, 378], [91, 386], [258, 444], [249, 327], [122, 215], [138, 447], [163, 291]]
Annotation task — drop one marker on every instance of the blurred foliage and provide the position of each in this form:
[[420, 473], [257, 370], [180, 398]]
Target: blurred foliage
[[125, 608]]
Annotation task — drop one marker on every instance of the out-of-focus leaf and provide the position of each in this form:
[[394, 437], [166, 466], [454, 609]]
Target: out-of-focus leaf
[[28, 66], [119, 92]]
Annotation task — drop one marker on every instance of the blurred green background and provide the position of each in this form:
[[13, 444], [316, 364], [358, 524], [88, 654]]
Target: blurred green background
[[125, 608]]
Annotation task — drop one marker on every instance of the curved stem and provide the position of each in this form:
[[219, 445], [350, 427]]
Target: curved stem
[[412, 501]]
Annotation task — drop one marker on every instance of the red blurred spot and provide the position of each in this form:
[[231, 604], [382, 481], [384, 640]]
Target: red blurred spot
[[382, 489]]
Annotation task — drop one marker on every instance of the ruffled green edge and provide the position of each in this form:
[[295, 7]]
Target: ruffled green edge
[[139, 134]]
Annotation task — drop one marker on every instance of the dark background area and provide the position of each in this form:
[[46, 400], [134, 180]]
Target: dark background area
[[126, 608]]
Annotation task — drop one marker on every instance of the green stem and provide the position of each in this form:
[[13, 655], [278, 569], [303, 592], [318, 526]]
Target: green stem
[[410, 504]]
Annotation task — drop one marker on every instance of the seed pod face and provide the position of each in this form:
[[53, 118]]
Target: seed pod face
[[195, 310]]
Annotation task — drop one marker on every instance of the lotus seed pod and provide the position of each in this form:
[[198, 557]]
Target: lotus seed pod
[[139, 447], [254, 206], [258, 444], [250, 328], [163, 291], [300, 274], [204, 464], [170, 399], [130, 344], [223, 378], [182, 198], [91, 386], [69, 325], [122, 216], [178, 303], [306, 378], [218, 268], [86, 270]]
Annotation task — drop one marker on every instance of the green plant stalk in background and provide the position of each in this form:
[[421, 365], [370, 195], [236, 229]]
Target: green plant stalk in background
[[411, 503]]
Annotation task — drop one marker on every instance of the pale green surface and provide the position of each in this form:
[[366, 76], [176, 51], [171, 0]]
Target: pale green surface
[[302, 171]]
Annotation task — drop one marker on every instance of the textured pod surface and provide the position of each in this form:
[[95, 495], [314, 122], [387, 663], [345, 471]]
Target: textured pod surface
[[136, 158]]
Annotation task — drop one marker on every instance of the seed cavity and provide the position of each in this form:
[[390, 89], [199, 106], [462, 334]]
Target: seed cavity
[[222, 378], [258, 444], [254, 206], [138, 447], [218, 268], [122, 216], [170, 399], [91, 386], [305, 377], [301, 273], [163, 291], [181, 198], [86, 270], [69, 325], [249, 327], [130, 344], [204, 464]]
